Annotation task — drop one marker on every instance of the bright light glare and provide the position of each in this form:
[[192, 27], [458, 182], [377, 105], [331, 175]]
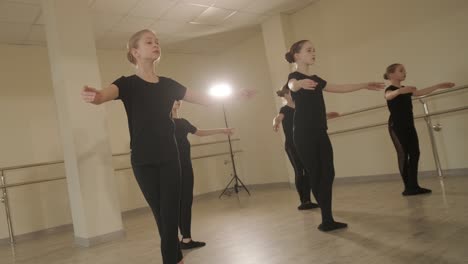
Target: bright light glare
[[221, 90]]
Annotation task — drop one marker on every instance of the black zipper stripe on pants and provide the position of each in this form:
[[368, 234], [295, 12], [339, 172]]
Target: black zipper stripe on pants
[[301, 178], [406, 142], [186, 199], [316, 152], [160, 184]]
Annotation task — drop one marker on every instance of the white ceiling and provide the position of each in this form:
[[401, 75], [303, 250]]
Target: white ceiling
[[190, 26]]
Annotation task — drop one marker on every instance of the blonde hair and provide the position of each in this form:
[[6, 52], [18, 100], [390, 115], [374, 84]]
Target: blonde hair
[[390, 69], [133, 44]]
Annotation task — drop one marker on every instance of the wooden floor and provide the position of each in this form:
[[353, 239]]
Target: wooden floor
[[267, 228]]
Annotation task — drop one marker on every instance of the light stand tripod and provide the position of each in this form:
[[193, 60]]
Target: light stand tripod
[[235, 178]]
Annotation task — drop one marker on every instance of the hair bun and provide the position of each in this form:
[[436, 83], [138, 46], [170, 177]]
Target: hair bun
[[289, 57]]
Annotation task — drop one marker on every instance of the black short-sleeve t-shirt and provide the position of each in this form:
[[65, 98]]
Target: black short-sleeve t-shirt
[[182, 128], [310, 106], [287, 123], [401, 109], [148, 106]]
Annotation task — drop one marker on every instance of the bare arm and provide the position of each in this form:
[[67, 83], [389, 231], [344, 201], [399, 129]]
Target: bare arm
[[295, 85], [97, 97], [431, 89], [277, 121], [210, 132], [197, 97], [348, 88], [390, 95]]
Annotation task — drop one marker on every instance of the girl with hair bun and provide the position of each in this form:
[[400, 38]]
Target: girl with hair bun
[[310, 126], [401, 125], [285, 117], [148, 100]]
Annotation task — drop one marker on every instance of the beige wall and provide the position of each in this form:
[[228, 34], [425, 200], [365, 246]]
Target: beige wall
[[356, 40], [30, 130]]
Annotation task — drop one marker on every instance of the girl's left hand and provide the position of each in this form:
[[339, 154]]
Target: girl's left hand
[[445, 85], [374, 86]]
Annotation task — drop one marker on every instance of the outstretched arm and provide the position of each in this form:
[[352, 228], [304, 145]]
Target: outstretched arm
[[307, 84], [94, 96], [433, 88], [390, 95], [347, 88]]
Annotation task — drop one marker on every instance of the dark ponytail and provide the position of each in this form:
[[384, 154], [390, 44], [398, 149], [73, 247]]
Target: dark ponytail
[[284, 90], [289, 57]]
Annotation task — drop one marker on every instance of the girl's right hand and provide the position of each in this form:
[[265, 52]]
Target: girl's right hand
[[90, 94], [276, 127], [307, 84], [407, 89]]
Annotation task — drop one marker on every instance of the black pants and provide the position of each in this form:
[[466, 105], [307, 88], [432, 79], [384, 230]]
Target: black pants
[[186, 200], [302, 179], [160, 184], [406, 142], [316, 153]]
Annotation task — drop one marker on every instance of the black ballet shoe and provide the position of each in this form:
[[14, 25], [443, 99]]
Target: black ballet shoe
[[330, 226], [307, 206], [191, 244], [416, 191]]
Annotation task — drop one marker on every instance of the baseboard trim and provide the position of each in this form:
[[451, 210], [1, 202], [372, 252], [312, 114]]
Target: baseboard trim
[[101, 239], [37, 234]]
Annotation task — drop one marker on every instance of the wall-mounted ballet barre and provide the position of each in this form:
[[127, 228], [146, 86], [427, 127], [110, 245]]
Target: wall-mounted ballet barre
[[194, 158], [4, 186], [458, 109], [427, 117], [192, 145]]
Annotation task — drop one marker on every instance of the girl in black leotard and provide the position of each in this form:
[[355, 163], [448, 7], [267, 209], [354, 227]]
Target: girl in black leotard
[[148, 99], [401, 125], [310, 126], [182, 128], [286, 118]]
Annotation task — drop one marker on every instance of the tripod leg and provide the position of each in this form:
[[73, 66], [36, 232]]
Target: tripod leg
[[242, 184], [227, 187], [236, 184]]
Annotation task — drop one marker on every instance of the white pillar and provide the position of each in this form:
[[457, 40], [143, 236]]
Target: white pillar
[[276, 35], [91, 183]]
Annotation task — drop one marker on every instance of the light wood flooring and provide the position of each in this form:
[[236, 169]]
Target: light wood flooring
[[384, 227]]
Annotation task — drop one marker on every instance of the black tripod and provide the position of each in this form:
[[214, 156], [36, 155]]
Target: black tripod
[[235, 178]]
